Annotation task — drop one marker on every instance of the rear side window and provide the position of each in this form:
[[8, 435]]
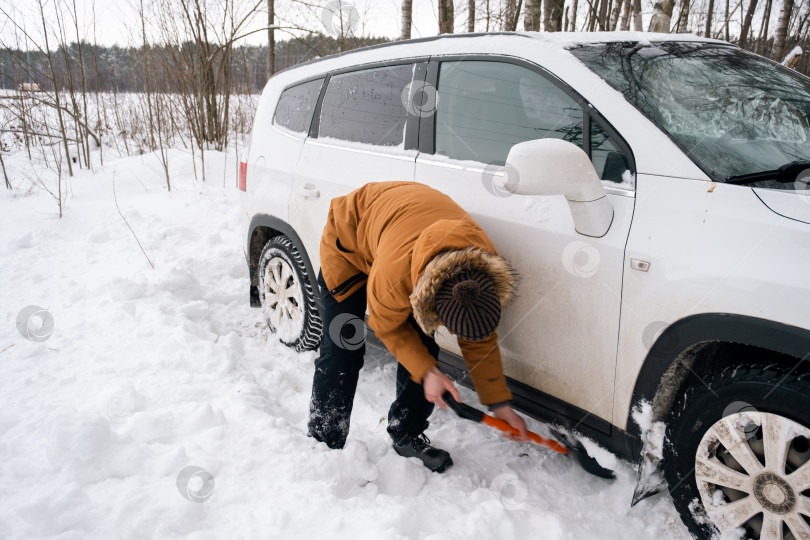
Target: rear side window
[[295, 106], [367, 106], [485, 108]]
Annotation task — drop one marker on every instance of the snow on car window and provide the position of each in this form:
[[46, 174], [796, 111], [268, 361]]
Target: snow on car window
[[731, 111], [366, 106], [295, 106]]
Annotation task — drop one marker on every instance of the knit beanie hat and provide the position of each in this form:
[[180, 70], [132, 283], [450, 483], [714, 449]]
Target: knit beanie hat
[[468, 305]]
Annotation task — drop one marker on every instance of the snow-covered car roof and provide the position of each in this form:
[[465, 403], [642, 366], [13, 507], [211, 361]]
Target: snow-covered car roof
[[495, 42], [571, 39]]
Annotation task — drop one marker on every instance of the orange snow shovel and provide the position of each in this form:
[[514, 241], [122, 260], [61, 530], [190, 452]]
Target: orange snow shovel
[[576, 450]]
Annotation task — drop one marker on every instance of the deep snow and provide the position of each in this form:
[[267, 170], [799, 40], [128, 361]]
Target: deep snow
[[151, 371]]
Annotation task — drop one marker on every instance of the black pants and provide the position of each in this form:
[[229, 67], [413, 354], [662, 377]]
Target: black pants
[[338, 368]]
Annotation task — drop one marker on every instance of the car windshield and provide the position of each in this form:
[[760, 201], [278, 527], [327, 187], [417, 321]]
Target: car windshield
[[733, 112]]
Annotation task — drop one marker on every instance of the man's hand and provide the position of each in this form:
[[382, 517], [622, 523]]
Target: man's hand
[[509, 416], [435, 383]]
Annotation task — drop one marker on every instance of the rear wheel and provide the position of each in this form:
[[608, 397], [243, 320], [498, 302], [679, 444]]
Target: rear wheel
[[737, 458], [287, 297]]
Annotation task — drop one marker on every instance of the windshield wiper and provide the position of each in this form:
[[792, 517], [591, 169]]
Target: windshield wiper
[[785, 173]]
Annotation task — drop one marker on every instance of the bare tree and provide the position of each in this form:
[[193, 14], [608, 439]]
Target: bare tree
[[99, 124], [637, 22], [509, 15], [62, 129], [5, 176], [470, 15], [604, 9], [446, 22], [271, 38], [84, 133], [614, 16], [625, 15], [763, 29], [709, 13], [682, 24], [552, 15], [407, 19], [532, 15], [662, 16], [728, 17], [782, 30], [746, 26]]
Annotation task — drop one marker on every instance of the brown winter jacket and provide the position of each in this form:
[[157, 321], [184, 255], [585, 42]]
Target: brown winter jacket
[[387, 236]]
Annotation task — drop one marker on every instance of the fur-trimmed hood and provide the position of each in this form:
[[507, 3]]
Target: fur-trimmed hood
[[448, 264]]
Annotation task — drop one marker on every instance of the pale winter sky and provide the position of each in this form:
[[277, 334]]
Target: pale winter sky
[[117, 21]]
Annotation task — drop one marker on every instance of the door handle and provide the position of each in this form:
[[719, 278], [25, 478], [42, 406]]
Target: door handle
[[308, 191]]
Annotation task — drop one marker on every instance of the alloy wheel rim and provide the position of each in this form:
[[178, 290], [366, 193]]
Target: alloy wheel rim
[[283, 299], [753, 471]]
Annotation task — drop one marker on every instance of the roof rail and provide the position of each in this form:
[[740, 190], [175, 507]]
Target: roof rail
[[404, 42]]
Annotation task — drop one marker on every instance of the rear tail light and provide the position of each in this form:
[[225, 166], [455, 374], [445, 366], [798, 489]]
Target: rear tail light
[[243, 176]]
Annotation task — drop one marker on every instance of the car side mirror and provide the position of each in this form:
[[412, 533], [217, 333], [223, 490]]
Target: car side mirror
[[557, 167]]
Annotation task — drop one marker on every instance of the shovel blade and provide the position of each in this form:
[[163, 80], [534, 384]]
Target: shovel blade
[[649, 482]]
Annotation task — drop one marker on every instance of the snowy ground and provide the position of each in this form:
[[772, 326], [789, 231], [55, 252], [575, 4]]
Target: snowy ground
[[151, 371]]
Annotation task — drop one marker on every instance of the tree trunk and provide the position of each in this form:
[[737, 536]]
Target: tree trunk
[[727, 18], [746, 26], [781, 31], [470, 15], [532, 15], [85, 137], [62, 130], [488, 18], [683, 17], [662, 16], [614, 17], [637, 22], [625, 16], [552, 15], [590, 20], [603, 11], [3, 165], [446, 16], [510, 7], [271, 38], [574, 15], [763, 29], [407, 19], [709, 13]]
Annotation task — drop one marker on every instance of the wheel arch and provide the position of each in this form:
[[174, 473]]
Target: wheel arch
[[262, 228], [703, 342]]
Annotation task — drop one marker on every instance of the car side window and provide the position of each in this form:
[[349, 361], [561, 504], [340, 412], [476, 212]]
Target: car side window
[[610, 163], [485, 108], [296, 105], [367, 106]]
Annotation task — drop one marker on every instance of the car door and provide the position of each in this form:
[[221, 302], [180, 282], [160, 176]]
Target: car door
[[560, 334], [361, 133]]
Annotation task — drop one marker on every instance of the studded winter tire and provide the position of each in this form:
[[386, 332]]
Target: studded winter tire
[[287, 296], [737, 458]]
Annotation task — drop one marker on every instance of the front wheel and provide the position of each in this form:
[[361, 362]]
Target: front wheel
[[737, 458], [287, 297]]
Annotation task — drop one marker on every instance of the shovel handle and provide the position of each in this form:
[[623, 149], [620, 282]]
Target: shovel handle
[[502, 425], [471, 413]]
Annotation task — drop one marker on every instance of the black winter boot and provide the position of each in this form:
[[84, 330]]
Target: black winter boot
[[418, 446]]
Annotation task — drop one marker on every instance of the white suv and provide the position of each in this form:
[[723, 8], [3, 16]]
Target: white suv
[[650, 190]]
